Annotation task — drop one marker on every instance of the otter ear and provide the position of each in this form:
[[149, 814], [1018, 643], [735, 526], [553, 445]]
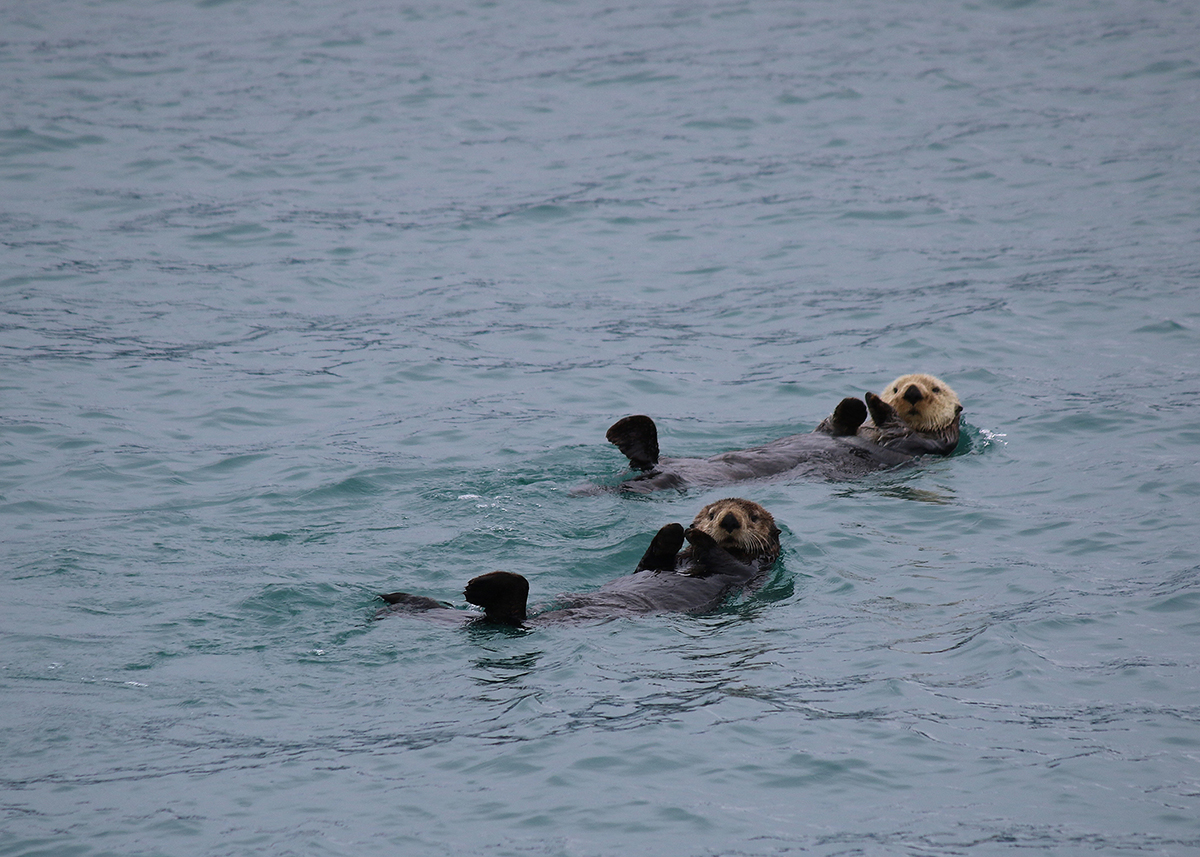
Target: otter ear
[[958, 409]]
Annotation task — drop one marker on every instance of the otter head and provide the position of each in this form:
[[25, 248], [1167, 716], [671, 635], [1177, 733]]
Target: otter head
[[743, 528], [925, 403]]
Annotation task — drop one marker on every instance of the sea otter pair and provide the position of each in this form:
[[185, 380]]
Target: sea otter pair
[[731, 542]]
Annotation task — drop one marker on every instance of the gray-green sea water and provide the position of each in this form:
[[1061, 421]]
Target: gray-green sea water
[[303, 302]]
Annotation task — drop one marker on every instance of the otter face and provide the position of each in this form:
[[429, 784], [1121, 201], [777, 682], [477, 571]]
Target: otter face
[[743, 528], [925, 403]]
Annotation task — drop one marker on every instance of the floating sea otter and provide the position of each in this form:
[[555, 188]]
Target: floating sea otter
[[915, 415], [732, 543]]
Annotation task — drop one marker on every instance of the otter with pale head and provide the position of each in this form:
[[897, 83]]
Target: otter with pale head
[[915, 415]]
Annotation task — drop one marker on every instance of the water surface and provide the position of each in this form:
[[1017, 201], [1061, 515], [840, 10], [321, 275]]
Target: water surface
[[304, 302]]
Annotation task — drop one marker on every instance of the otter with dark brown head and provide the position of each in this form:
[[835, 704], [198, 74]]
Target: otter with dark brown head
[[744, 529], [731, 544]]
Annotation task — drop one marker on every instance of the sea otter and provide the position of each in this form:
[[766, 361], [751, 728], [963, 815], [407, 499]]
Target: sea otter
[[732, 543], [914, 415], [917, 414]]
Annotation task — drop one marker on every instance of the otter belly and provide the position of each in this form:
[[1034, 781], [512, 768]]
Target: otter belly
[[812, 455], [649, 592]]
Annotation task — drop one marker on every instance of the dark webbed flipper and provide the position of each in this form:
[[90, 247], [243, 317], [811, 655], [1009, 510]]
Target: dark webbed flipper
[[412, 602], [637, 438], [849, 414], [501, 594], [660, 556]]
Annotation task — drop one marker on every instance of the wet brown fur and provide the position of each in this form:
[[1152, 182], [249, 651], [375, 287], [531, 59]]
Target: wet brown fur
[[742, 527]]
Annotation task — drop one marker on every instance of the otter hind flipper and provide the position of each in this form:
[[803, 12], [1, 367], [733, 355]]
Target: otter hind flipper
[[660, 556], [637, 438], [849, 414], [412, 602], [501, 594]]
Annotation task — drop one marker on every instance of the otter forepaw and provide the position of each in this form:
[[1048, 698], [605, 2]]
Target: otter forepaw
[[849, 414], [660, 556], [881, 412]]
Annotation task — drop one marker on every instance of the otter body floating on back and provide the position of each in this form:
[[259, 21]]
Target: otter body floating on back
[[732, 543], [915, 415]]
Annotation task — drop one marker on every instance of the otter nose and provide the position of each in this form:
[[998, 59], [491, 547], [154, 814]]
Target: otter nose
[[912, 395], [730, 522]]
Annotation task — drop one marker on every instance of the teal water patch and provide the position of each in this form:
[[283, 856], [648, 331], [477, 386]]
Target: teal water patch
[[24, 141], [539, 213], [634, 79], [244, 234], [733, 123]]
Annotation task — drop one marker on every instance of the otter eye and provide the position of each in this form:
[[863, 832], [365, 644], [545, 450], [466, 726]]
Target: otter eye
[[754, 518], [936, 389], [895, 389], [712, 515]]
